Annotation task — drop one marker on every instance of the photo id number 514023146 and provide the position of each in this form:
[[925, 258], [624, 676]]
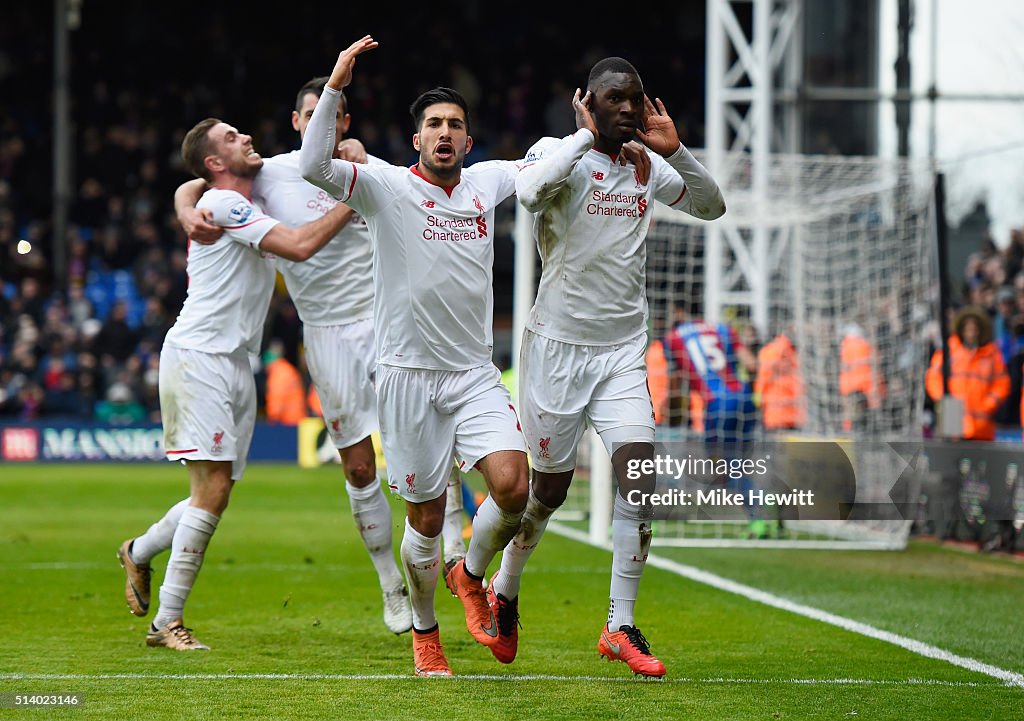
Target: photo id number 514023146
[[40, 700]]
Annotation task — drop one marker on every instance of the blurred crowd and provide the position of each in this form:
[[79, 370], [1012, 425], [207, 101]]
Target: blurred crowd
[[994, 281], [87, 346], [859, 381], [993, 298]]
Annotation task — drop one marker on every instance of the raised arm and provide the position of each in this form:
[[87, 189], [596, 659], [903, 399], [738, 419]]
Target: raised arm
[[701, 197], [542, 179], [316, 157], [303, 242]]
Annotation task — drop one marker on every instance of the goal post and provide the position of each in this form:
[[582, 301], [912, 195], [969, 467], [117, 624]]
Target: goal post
[[839, 258]]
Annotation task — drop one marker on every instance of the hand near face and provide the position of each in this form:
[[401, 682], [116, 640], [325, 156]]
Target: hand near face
[[635, 153], [582, 107], [659, 133]]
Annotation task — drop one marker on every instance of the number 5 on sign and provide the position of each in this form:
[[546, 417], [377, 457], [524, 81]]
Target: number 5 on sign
[[705, 353]]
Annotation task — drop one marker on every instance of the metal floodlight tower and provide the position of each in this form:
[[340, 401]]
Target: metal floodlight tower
[[743, 70]]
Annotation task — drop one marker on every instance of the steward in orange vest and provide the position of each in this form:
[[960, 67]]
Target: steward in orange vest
[[780, 385], [977, 375], [286, 394], [861, 384]]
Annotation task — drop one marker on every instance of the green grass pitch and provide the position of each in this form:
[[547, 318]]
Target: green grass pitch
[[289, 603]]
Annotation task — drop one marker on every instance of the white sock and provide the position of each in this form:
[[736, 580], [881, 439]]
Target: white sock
[[187, 549], [421, 557], [631, 540], [521, 547], [372, 514], [451, 532], [620, 613], [493, 528], [158, 537]]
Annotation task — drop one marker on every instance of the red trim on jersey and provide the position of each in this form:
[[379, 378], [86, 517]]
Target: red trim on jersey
[[679, 198], [446, 188], [352, 185], [246, 225], [190, 450], [614, 157]]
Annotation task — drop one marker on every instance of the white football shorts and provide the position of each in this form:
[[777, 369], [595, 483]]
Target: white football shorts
[[427, 416], [341, 362], [564, 386], [208, 406]]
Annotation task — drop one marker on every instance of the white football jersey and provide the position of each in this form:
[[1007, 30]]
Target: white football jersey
[[229, 282], [590, 231], [335, 286], [433, 254]]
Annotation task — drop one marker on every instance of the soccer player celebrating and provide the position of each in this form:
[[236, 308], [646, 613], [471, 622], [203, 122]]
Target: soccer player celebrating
[[333, 293], [583, 349], [207, 393], [438, 390]]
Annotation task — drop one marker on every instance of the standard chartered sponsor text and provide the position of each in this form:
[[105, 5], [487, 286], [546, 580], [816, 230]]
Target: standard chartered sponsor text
[[450, 229]]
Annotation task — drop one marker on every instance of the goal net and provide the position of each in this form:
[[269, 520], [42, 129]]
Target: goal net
[[830, 283]]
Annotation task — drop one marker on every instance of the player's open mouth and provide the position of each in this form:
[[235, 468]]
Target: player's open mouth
[[444, 152]]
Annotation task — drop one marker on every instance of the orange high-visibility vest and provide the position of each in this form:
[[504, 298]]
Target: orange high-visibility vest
[[780, 385], [313, 401], [286, 396], [978, 378], [657, 379], [858, 371]]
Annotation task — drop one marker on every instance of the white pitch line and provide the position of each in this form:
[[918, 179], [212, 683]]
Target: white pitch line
[[221, 566], [54, 566], [1009, 678], [481, 677]]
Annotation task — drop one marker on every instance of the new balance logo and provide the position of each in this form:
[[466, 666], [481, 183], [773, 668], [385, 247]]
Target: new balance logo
[[427, 204], [597, 175]]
